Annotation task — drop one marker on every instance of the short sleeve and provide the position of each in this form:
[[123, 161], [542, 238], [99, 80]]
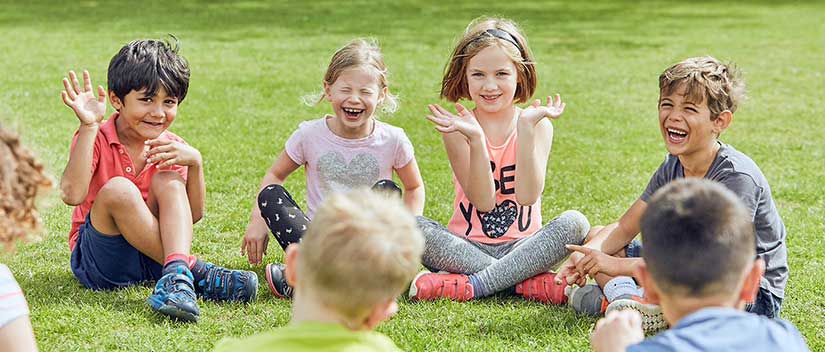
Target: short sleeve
[[12, 303], [95, 153], [745, 188], [658, 180], [294, 147], [404, 152]]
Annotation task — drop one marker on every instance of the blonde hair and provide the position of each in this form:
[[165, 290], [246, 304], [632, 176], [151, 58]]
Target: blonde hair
[[361, 53], [705, 79], [21, 178], [476, 38], [361, 249]]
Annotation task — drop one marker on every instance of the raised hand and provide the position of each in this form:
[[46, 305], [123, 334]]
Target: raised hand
[[166, 153], [464, 122], [535, 112], [88, 108]]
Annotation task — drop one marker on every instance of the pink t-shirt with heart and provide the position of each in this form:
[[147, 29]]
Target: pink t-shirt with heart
[[508, 221], [337, 164]]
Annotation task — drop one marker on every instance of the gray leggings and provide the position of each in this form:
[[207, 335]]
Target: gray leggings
[[502, 265]]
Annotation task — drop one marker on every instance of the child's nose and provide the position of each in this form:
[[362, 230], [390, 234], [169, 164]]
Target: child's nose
[[490, 84]]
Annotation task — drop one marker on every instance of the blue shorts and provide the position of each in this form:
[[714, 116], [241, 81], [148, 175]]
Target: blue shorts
[[102, 262], [633, 249]]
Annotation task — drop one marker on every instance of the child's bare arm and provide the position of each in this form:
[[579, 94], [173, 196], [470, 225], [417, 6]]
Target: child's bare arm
[[90, 110], [18, 335], [413, 187], [467, 152], [627, 228], [256, 238], [535, 138], [166, 153]]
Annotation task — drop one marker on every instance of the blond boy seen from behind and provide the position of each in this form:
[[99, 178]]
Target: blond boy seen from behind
[[358, 254]]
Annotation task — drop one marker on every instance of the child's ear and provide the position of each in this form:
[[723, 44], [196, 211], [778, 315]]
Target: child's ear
[[116, 103], [646, 281], [327, 92], [380, 313], [751, 285], [291, 261], [383, 94], [722, 121]]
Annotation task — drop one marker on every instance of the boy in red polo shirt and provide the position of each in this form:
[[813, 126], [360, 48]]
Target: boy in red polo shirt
[[138, 188]]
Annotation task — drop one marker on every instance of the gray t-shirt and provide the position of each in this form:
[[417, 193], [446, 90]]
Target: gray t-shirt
[[741, 175]]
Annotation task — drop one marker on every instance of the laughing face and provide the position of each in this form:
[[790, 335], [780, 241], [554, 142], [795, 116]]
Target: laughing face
[[354, 95], [143, 116], [686, 125], [492, 79]]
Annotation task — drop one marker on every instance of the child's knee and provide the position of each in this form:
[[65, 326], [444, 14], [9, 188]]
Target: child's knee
[[271, 192], [593, 232], [167, 181], [579, 224], [119, 190]]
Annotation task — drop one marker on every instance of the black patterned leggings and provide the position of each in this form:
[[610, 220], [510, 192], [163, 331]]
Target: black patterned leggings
[[284, 217]]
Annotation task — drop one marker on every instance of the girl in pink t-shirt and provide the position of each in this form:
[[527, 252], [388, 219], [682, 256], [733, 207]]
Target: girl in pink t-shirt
[[340, 152], [495, 239]]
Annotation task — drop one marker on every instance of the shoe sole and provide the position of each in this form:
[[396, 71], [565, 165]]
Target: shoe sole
[[172, 311], [414, 290], [652, 319], [269, 283]]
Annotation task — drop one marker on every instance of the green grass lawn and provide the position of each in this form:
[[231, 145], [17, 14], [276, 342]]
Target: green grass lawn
[[252, 61]]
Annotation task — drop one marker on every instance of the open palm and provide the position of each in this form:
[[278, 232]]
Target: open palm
[[89, 108], [446, 122], [535, 112]]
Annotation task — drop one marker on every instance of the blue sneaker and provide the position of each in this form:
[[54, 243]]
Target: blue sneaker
[[174, 295], [221, 284]]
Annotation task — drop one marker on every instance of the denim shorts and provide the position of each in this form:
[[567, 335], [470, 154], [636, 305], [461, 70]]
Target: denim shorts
[[766, 304], [104, 262], [633, 249]]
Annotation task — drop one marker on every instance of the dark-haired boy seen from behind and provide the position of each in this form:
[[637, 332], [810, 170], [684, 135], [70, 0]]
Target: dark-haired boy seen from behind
[[138, 188], [700, 265]]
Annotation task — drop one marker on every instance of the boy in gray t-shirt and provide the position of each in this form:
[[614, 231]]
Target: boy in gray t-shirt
[[697, 99]]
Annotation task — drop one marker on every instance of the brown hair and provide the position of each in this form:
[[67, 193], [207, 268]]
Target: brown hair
[[698, 238], [21, 178], [358, 53], [705, 79], [454, 85], [361, 249]]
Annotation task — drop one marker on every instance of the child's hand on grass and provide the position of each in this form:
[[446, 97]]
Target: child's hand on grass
[[166, 153], [464, 122], [617, 331], [88, 107], [254, 245], [536, 112]]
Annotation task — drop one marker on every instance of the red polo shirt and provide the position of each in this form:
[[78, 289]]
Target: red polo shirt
[[111, 159]]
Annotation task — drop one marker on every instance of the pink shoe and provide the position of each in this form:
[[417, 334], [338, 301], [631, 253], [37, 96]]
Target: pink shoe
[[542, 288], [427, 286]]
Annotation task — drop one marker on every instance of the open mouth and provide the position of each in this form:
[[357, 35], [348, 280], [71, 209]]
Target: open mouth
[[676, 135], [489, 98], [154, 124], [353, 113]]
